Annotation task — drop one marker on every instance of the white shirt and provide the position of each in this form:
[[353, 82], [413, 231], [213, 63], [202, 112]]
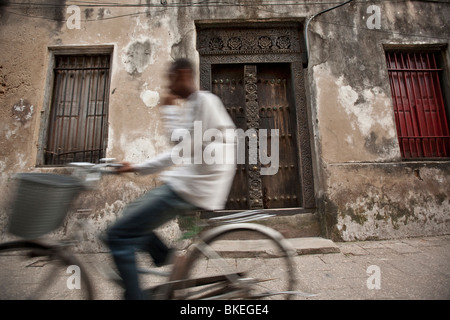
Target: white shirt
[[205, 185]]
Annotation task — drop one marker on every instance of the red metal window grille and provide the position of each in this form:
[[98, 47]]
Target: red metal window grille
[[419, 108], [79, 111]]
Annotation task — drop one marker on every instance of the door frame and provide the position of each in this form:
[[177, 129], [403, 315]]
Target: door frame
[[254, 42]]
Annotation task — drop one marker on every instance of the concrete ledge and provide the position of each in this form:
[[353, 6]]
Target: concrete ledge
[[313, 245], [265, 248]]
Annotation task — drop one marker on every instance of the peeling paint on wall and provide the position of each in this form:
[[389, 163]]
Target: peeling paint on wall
[[388, 201], [366, 108], [375, 217], [149, 97], [138, 56], [352, 122], [23, 111]]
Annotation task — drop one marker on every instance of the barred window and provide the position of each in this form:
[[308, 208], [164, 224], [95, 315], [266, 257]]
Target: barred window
[[78, 122], [419, 106]]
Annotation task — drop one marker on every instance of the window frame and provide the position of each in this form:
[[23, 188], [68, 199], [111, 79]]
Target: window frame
[[439, 51], [53, 52]]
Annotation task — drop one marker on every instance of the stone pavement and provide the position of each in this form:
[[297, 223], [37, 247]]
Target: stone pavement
[[415, 268]]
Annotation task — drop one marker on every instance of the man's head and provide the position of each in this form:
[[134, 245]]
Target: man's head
[[181, 78]]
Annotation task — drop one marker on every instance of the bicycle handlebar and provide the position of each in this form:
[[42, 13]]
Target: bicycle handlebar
[[90, 173], [94, 166], [97, 167]]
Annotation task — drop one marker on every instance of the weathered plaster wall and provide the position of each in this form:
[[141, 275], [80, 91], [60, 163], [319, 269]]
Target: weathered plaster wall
[[387, 200], [363, 190], [143, 41]]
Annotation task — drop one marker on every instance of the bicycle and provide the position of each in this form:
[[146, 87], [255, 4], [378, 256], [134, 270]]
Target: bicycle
[[205, 272]]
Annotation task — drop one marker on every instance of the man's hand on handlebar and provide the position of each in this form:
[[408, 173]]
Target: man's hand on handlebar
[[125, 167]]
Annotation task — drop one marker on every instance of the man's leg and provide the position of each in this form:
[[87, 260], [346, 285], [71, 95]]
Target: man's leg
[[157, 249], [135, 231]]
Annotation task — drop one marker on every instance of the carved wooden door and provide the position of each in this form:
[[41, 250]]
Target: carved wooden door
[[260, 96]]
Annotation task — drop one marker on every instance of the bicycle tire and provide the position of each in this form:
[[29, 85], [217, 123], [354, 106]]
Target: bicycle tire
[[33, 270], [278, 285]]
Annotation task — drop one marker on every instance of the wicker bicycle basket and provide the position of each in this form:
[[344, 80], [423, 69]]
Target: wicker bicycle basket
[[41, 203]]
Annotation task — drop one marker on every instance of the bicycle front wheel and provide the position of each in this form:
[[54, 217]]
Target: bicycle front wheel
[[240, 261], [31, 270]]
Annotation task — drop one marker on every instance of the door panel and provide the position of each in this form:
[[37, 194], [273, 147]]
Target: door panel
[[228, 84], [276, 110]]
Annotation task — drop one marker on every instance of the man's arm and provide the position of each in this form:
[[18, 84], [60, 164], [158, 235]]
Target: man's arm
[[155, 165], [160, 162]]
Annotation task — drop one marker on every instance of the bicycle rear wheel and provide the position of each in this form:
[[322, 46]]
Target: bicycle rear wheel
[[260, 268], [32, 270]]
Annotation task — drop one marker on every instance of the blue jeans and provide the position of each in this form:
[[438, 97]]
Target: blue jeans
[[134, 231]]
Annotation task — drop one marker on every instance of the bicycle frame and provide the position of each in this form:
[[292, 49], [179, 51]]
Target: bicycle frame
[[229, 284]]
